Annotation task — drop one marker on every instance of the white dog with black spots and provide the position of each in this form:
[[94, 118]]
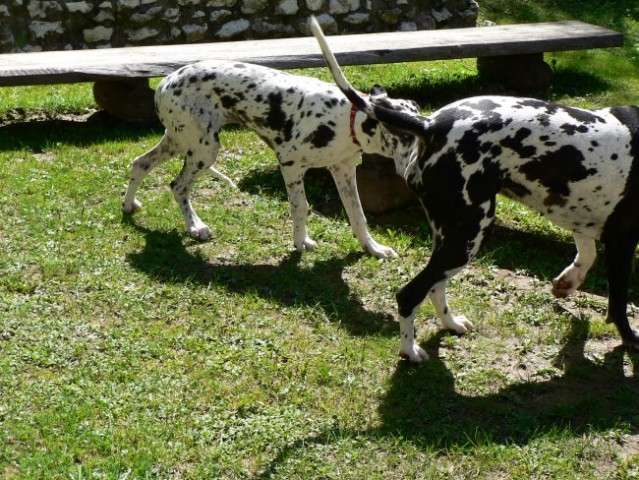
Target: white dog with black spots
[[307, 122]]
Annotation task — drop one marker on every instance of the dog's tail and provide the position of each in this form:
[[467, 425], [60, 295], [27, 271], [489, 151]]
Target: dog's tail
[[405, 121]]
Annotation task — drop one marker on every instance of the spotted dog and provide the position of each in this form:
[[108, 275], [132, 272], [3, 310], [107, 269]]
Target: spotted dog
[[578, 168], [307, 122]]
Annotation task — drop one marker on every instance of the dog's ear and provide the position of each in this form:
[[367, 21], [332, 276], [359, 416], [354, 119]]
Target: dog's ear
[[378, 96]]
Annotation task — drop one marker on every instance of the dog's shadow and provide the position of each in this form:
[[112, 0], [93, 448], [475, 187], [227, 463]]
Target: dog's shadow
[[423, 404], [165, 258]]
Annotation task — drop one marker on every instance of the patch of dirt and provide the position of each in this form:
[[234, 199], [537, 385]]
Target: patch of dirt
[[20, 115]]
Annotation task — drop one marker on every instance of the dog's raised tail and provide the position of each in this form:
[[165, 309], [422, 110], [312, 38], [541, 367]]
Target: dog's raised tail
[[331, 62], [398, 119]]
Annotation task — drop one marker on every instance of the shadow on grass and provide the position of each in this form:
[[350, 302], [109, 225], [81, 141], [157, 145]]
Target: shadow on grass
[[38, 133], [165, 259], [422, 405]]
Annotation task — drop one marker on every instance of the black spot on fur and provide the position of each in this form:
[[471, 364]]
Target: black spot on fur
[[571, 129], [321, 137], [369, 126], [516, 143], [556, 170]]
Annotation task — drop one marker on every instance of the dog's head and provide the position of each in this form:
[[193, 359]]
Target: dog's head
[[393, 142]]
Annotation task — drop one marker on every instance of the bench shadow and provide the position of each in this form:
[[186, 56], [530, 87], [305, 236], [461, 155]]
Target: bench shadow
[[423, 405], [38, 133], [166, 259]]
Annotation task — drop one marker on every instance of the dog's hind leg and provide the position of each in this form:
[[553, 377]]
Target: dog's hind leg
[[619, 255], [142, 166], [198, 159], [574, 275], [344, 176], [294, 181]]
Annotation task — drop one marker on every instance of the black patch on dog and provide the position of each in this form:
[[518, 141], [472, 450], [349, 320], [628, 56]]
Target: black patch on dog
[[625, 216], [321, 137], [516, 143], [369, 126], [277, 118], [571, 129], [556, 170]]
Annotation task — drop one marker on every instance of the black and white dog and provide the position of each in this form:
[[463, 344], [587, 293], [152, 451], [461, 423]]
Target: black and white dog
[[307, 122], [578, 168]]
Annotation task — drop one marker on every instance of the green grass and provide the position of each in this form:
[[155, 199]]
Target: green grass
[[130, 351]]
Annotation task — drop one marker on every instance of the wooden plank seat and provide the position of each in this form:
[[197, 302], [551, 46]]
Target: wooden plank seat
[[392, 47]]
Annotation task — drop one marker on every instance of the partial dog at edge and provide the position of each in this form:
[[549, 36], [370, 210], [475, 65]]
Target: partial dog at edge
[[307, 122], [578, 168]]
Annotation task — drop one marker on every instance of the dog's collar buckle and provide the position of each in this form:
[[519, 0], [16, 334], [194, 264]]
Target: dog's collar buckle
[[353, 113]]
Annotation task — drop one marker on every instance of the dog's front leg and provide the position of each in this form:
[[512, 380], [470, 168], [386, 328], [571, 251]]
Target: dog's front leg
[[344, 175], [294, 181], [619, 255], [409, 349], [455, 323], [574, 275]]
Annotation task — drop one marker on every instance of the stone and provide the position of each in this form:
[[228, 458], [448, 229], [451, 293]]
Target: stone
[[146, 17], [253, 6], [78, 7], [97, 34], [232, 29], [314, 5], [219, 15], [441, 15], [407, 27], [128, 4], [286, 7], [336, 7], [357, 18], [221, 3], [41, 29], [142, 34], [104, 16], [194, 32]]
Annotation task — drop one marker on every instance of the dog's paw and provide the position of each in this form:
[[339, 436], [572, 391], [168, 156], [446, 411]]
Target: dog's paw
[[200, 232], [413, 353], [380, 251], [130, 208], [567, 282], [306, 244], [458, 324]]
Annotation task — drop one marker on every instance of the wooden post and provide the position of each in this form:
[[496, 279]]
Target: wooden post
[[127, 99]]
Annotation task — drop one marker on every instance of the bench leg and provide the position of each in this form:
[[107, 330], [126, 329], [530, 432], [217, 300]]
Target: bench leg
[[127, 99], [380, 188], [525, 74]]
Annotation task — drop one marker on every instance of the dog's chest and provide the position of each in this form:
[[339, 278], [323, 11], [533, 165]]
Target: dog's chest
[[568, 164]]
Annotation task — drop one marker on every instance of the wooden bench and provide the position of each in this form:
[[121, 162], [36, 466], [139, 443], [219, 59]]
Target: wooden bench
[[121, 74]]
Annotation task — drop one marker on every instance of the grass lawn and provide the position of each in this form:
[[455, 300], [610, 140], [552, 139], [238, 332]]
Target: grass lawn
[[130, 351]]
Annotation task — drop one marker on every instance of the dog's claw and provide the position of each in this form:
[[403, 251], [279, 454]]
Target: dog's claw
[[415, 354]]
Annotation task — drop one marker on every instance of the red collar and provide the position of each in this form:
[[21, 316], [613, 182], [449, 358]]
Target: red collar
[[353, 113]]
